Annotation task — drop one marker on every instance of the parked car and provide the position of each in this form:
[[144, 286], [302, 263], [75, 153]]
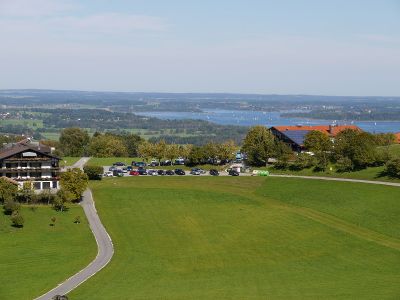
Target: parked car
[[180, 172], [154, 163], [118, 173], [119, 164], [142, 171], [112, 169], [195, 171], [108, 174], [129, 168], [124, 170], [152, 172], [214, 172], [140, 164], [161, 172], [134, 173], [169, 172], [233, 172], [179, 161], [166, 163]]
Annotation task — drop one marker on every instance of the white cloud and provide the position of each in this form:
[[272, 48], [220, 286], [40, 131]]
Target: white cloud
[[34, 8]]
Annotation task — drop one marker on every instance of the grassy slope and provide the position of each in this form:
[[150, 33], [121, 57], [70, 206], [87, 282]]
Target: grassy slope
[[68, 161], [35, 258], [220, 238]]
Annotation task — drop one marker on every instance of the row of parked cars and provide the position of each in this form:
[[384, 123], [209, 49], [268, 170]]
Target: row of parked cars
[[143, 171]]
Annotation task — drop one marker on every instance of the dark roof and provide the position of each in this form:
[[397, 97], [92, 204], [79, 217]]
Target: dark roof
[[20, 147], [297, 136]]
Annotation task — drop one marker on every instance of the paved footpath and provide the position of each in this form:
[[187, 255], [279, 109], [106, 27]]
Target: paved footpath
[[104, 244]]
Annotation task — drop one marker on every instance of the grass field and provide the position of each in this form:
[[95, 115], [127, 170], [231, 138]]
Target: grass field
[[247, 238], [33, 124], [68, 161], [35, 258]]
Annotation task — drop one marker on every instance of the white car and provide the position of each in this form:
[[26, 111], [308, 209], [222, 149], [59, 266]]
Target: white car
[[108, 174]]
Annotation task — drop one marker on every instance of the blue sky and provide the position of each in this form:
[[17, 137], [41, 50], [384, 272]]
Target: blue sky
[[284, 47]]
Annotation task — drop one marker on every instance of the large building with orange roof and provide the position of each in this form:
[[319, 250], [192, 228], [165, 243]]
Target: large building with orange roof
[[295, 135], [397, 137]]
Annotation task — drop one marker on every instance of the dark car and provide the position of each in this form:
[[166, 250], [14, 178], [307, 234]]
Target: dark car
[[233, 172], [140, 164], [129, 168], [169, 172], [166, 163], [214, 172], [154, 164], [180, 172], [118, 173], [119, 164], [142, 171], [161, 172]]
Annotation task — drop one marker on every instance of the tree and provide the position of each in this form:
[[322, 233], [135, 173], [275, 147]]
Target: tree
[[17, 219], [392, 168], [132, 142], [73, 141], [11, 206], [8, 190], [107, 145], [75, 182], [61, 199], [358, 147], [226, 151], [145, 150], [321, 145], [93, 172], [53, 221], [159, 150], [27, 193], [172, 152], [259, 145]]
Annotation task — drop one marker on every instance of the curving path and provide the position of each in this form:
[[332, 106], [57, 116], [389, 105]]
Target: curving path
[[104, 244]]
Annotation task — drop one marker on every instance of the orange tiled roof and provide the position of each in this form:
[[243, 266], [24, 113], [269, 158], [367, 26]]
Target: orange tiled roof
[[332, 130], [398, 137]]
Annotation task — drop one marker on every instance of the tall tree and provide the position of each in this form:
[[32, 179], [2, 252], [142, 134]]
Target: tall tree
[[74, 181], [107, 146], [319, 143], [8, 190], [73, 141], [226, 151], [259, 145]]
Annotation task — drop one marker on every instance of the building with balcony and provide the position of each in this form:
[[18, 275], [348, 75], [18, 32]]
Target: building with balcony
[[25, 161]]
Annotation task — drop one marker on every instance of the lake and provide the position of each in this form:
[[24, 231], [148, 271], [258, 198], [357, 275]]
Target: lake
[[251, 118]]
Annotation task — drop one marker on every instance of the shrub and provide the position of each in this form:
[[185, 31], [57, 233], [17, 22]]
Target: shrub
[[344, 164], [303, 161], [93, 172], [393, 168], [11, 206], [17, 220]]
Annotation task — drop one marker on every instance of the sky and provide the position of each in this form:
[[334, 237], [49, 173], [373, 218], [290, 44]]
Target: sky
[[336, 47]]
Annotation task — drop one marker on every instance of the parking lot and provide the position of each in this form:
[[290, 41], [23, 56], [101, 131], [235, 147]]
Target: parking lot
[[153, 172]]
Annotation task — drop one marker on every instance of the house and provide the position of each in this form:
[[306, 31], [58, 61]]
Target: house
[[397, 137], [294, 136], [26, 161]]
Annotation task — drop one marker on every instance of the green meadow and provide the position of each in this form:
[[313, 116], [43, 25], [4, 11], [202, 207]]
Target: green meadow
[[37, 257], [247, 238]]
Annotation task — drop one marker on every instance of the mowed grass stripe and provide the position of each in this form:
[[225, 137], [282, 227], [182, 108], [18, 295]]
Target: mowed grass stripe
[[201, 241]]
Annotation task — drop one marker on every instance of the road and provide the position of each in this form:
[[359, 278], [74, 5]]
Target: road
[[104, 245]]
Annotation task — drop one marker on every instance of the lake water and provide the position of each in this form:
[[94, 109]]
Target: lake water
[[251, 118]]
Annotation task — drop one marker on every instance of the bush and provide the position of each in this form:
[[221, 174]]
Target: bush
[[10, 207], [344, 164], [17, 220], [393, 168], [303, 161], [93, 172]]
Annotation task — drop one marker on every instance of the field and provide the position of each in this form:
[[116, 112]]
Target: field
[[247, 238], [33, 124], [37, 257], [68, 161]]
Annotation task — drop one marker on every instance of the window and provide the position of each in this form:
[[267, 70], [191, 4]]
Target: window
[[46, 185], [55, 184], [8, 175], [24, 165], [23, 174], [36, 185], [36, 165]]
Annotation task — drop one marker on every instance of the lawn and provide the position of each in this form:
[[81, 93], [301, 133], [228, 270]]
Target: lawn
[[68, 161], [35, 258], [247, 238], [34, 124]]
